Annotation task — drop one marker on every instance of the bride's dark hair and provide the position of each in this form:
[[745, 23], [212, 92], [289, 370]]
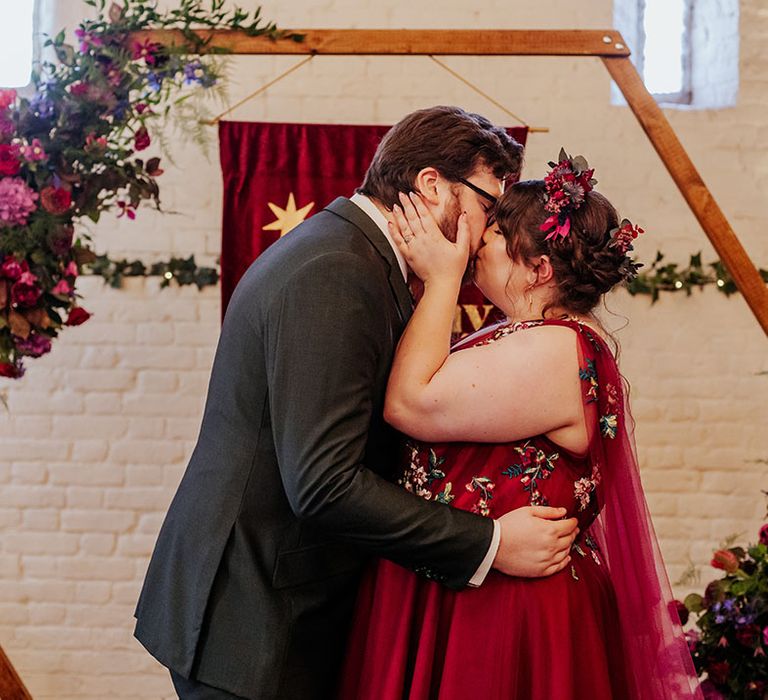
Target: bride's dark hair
[[585, 267]]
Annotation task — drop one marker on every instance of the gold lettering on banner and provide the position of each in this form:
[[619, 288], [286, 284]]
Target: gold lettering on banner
[[477, 314], [458, 324]]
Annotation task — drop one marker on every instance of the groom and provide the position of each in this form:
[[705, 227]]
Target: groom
[[252, 582]]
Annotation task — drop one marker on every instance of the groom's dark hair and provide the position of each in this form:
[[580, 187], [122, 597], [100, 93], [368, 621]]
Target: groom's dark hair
[[452, 141]]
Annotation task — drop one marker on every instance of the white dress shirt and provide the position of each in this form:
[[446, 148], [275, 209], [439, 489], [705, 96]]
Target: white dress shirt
[[381, 221]]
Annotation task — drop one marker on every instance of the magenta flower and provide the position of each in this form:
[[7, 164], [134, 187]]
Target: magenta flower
[[764, 540], [33, 152], [62, 287], [17, 201], [7, 98], [148, 51], [25, 290], [141, 140], [126, 209], [34, 346], [12, 268]]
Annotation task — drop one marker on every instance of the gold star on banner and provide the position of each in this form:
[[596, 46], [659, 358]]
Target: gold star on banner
[[288, 218]]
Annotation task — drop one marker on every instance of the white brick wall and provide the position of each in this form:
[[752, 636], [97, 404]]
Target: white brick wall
[[99, 431]]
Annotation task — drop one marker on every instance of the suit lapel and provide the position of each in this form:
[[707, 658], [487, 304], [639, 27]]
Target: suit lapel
[[342, 207]]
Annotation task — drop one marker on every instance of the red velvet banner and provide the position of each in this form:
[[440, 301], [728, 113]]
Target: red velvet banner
[[276, 175]]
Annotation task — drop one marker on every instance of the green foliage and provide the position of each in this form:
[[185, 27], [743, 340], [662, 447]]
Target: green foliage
[[670, 277], [70, 152], [730, 645]]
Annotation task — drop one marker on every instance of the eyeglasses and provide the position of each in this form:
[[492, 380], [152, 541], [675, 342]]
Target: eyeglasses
[[491, 220], [479, 190]]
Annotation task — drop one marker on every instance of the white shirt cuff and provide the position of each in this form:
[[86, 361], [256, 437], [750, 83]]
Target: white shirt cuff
[[487, 563]]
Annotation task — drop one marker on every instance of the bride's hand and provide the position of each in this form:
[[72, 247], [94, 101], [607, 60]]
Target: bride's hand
[[426, 250]]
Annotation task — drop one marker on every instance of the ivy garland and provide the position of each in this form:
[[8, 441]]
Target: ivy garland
[[668, 277]]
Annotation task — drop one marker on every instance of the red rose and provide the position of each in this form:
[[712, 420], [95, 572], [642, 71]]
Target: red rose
[[141, 140], [718, 672], [9, 160], [764, 534], [56, 200], [25, 291], [682, 611], [7, 98], [726, 560], [77, 316], [12, 268], [8, 370], [748, 635]]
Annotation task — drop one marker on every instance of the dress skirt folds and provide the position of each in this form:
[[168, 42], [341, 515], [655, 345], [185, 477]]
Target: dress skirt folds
[[600, 629]]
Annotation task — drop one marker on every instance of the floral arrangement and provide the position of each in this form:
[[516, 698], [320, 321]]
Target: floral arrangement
[[71, 151], [567, 184], [730, 643]]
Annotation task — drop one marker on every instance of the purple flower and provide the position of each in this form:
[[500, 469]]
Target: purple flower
[[154, 81], [195, 72], [42, 106], [17, 201], [34, 346]]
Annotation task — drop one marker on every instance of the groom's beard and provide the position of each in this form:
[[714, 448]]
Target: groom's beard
[[449, 225]]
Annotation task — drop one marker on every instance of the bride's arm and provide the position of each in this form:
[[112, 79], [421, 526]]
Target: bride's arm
[[522, 385]]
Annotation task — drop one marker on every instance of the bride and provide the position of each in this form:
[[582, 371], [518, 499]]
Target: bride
[[531, 411]]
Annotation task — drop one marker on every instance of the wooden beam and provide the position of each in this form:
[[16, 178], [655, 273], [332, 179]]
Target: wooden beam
[[413, 42], [692, 187], [607, 44], [11, 686]]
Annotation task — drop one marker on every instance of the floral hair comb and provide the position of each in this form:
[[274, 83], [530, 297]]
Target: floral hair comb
[[567, 184], [622, 239]]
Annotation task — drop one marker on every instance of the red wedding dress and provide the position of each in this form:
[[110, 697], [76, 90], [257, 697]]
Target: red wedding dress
[[600, 629]]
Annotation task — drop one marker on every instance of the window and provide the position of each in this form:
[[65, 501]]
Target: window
[[16, 43], [664, 60], [687, 51]]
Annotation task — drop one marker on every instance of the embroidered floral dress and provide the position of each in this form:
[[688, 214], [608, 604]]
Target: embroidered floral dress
[[554, 638]]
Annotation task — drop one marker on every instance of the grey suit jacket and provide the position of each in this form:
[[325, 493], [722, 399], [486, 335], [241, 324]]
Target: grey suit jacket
[[288, 490]]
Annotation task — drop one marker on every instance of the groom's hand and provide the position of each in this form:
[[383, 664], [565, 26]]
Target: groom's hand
[[534, 541]]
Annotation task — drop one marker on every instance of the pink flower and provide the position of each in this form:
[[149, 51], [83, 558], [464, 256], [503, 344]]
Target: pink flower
[[7, 98], [9, 160], [56, 200], [62, 287], [17, 201], [79, 89], [141, 140], [764, 539], [34, 151], [95, 144], [71, 269], [25, 290]]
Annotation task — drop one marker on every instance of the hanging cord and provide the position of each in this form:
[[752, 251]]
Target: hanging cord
[[263, 88], [531, 129]]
